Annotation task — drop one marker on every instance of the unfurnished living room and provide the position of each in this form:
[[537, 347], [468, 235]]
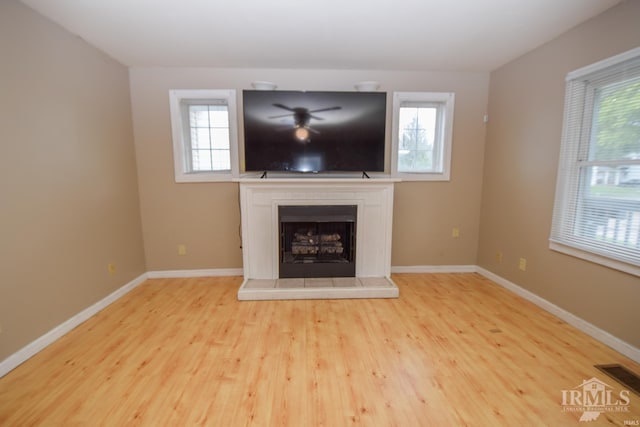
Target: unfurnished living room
[[380, 213]]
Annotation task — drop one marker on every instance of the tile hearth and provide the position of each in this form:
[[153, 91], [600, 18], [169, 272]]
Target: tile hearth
[[318, 288]]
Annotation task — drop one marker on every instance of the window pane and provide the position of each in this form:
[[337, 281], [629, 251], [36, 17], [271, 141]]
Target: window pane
[[199, 115], [427, 121], [415, 161], [209, 137], [616, 133], [609, 209], [405, 160], [221, 160], [417, 127], [200, 138], [407, 116], [219, 116], [412, 139], [220, 138], [201, 160]]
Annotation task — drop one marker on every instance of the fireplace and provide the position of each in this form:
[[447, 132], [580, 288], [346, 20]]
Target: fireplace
[[317, 241], [260, 200]]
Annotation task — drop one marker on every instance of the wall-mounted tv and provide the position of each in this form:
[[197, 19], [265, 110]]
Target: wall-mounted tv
[[295, 131]]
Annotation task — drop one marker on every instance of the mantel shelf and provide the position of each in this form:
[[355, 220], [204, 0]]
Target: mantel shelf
[[317, 180]]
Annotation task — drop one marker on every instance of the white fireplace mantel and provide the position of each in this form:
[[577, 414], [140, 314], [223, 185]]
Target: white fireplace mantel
[[260, 199]]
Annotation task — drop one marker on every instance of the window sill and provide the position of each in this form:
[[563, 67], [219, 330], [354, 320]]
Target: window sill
[[422, 176], [595, 258], [205, 177]]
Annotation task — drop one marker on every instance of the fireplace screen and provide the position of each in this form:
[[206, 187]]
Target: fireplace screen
[[317, 241]]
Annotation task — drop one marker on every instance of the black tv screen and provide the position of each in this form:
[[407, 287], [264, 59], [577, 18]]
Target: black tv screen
[[297, 131]]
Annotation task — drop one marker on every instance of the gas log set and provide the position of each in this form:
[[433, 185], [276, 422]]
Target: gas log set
[[308, 243]]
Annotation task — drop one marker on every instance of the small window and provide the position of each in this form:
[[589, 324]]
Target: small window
[[204, 135], [597, 208], [422, 133]]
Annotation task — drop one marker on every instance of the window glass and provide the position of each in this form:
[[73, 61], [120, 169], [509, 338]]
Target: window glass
[[417, 140], [422, 135], [204, 135], [210, 146]]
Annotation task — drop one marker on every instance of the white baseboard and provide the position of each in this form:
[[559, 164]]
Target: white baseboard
[[45, 340], [593, 331], [434, 269], [212, 272]]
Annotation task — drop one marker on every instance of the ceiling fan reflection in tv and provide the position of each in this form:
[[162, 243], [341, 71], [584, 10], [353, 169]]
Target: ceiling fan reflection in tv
[[301, 117]]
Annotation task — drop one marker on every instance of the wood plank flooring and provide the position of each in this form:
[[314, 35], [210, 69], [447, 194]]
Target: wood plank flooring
[[453, 350]]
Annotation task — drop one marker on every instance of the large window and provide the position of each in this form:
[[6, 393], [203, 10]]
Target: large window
[[597, 209], [204, 134], [422, 128]]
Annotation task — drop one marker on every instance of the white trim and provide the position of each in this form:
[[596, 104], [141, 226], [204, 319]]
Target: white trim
[[597, 66], [434, 269], [54, 334], [178, 126], [593, 257], [581, 324], [316, 179], [448, 98], [259, 203], [213, 272]]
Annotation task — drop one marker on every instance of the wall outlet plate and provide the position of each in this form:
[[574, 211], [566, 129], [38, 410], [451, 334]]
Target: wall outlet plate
[[522, 264]]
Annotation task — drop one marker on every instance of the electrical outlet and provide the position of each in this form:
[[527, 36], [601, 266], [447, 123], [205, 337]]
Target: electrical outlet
[[455, 233], [182, 250], [522, 264], [112, 269], [499, 257]]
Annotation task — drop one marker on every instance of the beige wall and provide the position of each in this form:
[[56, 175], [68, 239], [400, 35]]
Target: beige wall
[[68, 190], [523, 140], [206, 217]]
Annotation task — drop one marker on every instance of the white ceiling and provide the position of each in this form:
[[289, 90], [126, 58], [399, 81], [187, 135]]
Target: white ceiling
[[462, 35]]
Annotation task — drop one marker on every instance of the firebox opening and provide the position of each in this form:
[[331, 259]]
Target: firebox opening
[[317, 241]]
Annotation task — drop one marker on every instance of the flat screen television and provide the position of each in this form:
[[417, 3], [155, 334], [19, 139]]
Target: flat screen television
[[295, 131]]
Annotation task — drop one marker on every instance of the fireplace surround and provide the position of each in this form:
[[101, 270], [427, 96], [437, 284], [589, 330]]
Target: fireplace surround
[[260, 203]]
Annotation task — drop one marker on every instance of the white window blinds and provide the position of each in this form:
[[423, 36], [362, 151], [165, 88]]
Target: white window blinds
[[597, 208], [209, 147]]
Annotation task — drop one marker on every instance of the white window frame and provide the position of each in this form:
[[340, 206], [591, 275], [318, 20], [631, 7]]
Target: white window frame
[[579, 104], [444, 136], [178, 99]]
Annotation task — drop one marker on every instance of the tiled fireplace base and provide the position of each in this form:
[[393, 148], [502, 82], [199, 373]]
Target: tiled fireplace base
[[321, 288]]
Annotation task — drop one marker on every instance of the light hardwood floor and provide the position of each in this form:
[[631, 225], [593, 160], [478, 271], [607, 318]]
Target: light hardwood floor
[[453, 350]]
